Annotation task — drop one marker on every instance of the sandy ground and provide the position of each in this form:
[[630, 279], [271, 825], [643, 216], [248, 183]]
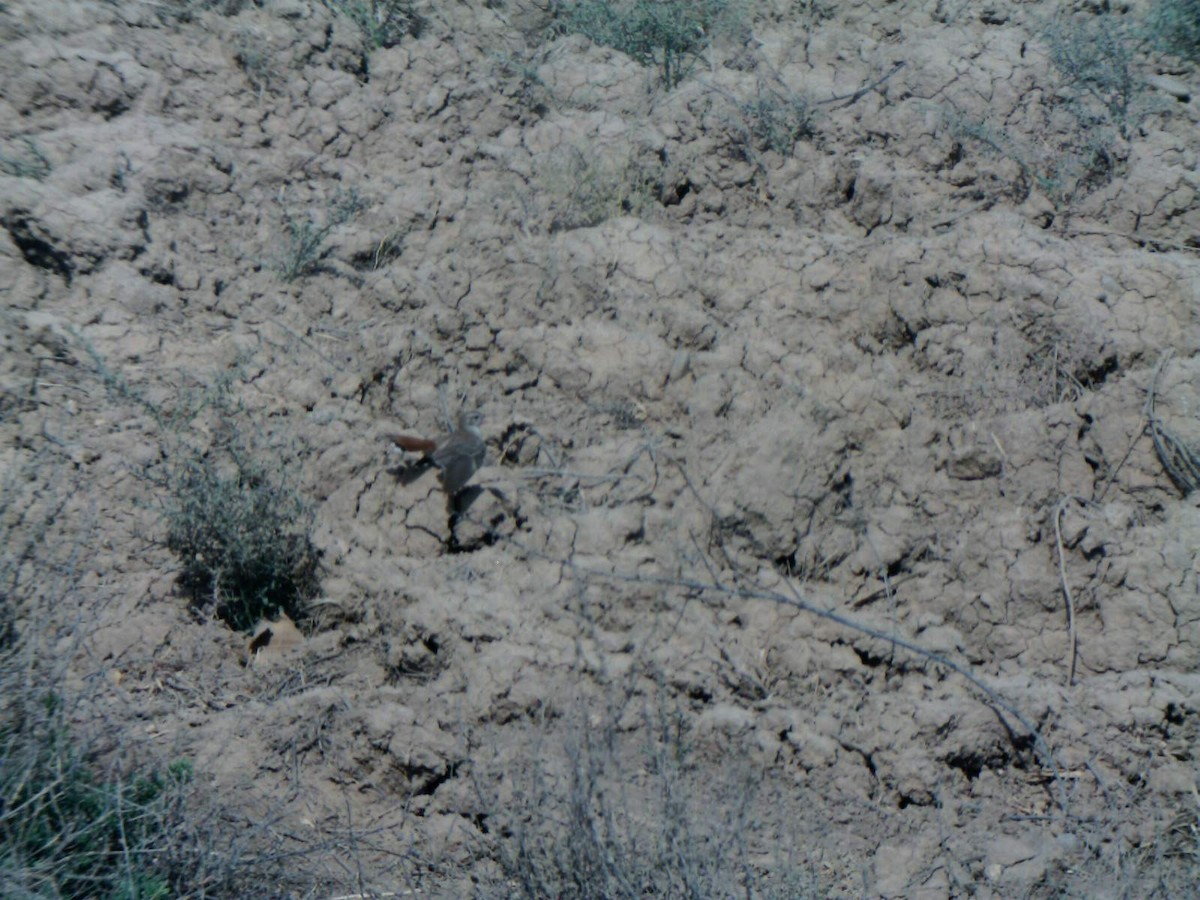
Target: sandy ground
[[895, 372]]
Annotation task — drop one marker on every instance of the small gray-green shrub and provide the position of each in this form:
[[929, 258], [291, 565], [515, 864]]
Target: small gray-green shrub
[[306, 237], [587, 188], [669, 34], [242, 534], [384, 23], [1064, 173], [777, 121], [241, 530], [1093, 108], [521, 71], [256, 58], [1175, 26], [1095, 59]]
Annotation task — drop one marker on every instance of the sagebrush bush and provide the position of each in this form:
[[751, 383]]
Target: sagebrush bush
[[242, 534], [777, 121], [1095, 59], [669, 34], [1175, 25], [239, 527]]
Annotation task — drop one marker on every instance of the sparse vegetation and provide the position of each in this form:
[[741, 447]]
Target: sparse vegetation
[[388, 249], [87, 808], [669, 34], [587, 189], [531, 92], [1180, 459], [306, 238], [254, 56], [27, 162], [240, 529], [83, 811], [1094, 56], [1098, 104], [242, 534], [821, 405], [68, 831], [777, 120], [1063, 173], [1174, 25], [599, 818], [384, 23]]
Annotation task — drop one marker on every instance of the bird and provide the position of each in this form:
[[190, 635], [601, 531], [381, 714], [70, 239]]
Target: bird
[[458, 454]]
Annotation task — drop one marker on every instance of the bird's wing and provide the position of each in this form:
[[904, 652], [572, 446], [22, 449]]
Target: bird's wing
[[457, 469]]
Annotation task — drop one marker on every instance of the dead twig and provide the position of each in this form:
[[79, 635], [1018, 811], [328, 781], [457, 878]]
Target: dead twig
[[573, 480], [797, 601], [863, 91], [1112, 476], [1181, 461], [1140, 240], [1062, 574]]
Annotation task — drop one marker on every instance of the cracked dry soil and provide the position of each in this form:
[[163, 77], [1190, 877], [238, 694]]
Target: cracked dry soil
[[888, 372]]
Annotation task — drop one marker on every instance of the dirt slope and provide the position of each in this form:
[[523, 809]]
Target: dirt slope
[[888, 358]]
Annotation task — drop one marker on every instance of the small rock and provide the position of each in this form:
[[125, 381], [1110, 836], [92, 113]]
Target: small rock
[[975, 463], [1176, 89]]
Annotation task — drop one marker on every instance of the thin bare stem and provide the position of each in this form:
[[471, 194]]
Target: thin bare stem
[[1062, 574]]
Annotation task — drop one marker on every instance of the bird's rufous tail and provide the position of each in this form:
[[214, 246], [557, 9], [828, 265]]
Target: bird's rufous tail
[[413, 444]]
